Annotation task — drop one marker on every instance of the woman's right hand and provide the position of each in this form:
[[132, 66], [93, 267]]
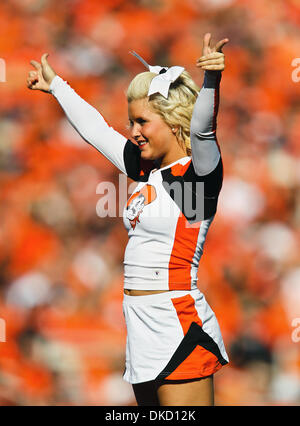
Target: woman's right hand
[[41, 78]]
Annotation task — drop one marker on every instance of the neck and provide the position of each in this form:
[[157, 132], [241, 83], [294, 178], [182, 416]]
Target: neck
[[170, 158]]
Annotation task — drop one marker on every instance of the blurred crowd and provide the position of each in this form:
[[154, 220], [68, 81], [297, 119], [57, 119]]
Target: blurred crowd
[[61, 270]]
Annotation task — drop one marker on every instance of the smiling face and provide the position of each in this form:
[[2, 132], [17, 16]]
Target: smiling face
[[155, 138]]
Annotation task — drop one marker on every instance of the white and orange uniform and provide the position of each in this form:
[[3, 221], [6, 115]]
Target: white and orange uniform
[[166, 239]]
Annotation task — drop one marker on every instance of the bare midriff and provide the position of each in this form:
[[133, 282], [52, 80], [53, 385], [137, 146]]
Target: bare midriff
[[142, 292]]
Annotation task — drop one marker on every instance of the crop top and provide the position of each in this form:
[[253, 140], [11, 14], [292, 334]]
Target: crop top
[[169, 212]]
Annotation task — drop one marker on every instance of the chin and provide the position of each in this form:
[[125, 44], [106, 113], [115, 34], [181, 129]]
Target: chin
[[147, 155]]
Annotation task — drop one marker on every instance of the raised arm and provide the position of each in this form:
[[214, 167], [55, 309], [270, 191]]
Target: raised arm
[[86, 120], [205, 150], [89, 123]]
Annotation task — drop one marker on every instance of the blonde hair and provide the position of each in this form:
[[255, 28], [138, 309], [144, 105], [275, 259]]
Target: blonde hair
[[177, 110]]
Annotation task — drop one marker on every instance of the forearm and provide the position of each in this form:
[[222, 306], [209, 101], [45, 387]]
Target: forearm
[[89, 123], [205, 150]]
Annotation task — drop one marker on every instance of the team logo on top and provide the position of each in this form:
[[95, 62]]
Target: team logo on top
[[138, 201]]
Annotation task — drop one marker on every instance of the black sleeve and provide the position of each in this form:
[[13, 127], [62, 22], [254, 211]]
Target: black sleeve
[[132, 160]]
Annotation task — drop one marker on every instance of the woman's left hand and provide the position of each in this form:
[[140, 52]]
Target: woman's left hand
[[212, 57]]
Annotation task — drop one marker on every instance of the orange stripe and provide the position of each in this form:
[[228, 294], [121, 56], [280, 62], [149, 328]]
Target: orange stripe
[[200, 362], [180, 264], [186, 312], [179, 169]]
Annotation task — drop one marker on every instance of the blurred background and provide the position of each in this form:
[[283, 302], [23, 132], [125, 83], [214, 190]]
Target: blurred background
[[61, 269]]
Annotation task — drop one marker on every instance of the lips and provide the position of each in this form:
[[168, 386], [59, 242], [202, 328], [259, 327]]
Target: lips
[[142, 143]]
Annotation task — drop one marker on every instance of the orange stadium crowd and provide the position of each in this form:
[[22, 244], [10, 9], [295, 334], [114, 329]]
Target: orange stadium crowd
[[63, 333]]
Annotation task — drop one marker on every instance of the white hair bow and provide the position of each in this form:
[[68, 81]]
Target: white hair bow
[[166, 76]]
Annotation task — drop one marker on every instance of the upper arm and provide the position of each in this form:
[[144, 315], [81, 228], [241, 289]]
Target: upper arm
[[93, 128], [205, 149], [209, 189]]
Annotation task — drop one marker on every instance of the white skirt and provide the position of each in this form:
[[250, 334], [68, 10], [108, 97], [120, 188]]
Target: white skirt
[[173, 336]]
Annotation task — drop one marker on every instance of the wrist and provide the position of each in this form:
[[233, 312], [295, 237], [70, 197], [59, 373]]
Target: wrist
[[51, 79], [212, 79], [56, 82]]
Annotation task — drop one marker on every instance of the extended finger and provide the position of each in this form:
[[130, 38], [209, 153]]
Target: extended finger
[[36, 65], [206, 40], [44, 59], [221, 44]]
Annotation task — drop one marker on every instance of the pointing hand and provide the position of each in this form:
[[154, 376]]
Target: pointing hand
[[41, 78]]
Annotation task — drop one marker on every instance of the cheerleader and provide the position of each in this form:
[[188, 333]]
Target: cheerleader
[[174, 344]]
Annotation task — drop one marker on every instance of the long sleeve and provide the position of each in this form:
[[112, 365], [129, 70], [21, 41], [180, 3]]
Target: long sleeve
[[205, 150], [92, 127]]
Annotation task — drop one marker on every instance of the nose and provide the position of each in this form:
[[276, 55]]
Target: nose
[[135, 131]]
